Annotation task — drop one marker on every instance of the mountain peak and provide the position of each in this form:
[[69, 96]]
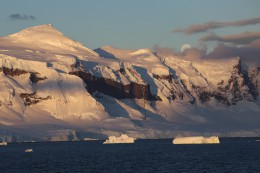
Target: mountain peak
[[48, 28], [46, 37]]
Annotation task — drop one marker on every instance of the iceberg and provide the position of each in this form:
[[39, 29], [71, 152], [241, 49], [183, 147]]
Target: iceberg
[[118, 140], [29, 150], [90, 139], [3, 143], [196, 140]]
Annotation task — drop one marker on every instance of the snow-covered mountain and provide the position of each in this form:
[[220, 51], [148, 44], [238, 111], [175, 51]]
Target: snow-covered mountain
[[54, 88]]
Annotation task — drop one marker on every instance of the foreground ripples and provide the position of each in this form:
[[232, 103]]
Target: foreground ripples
[[232, 155]]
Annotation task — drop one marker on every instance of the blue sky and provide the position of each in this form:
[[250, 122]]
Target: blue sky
[[128, 24]]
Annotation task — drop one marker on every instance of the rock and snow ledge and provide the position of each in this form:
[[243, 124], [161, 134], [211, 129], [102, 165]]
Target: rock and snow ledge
[[196, 140], [119, 140]]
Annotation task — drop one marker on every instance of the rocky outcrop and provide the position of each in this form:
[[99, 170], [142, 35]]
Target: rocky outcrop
[[165, 77], [28, 98], [12, 72], [32, 98], [35, 77], [173, 93], [239, 87], [254, 78], [114, 88], [204, 95]]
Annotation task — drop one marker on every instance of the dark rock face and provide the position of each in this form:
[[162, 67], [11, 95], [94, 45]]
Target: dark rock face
[[221, 82], [165, 77], [12, 72], [221, 98], [173, 92], [32, 98], [242, 85], [28, 98], [113, 88], [205, 96], [35, 77], [254, 78], [239, 86], [241, 90]]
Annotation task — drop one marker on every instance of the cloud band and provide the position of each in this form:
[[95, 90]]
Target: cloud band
[[198, 28], [17, 16], [240, 39]]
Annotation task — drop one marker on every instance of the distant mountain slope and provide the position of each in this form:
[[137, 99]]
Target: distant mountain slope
[[62, 90]]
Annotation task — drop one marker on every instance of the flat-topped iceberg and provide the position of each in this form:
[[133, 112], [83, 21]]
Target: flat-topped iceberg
[[3, 143], [196, 140], [118, 140]]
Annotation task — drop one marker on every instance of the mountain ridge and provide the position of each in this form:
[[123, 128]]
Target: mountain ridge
[[76, 91]]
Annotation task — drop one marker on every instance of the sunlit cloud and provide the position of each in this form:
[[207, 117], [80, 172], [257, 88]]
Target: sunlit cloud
[[165, 51], [198, 28], [250, 54], [239, 39], [191, 54]]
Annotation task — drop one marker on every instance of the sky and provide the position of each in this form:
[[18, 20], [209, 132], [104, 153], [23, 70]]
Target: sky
[[135, 24]]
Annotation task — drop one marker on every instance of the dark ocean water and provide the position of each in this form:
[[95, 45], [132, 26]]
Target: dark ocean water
[[232, 155]]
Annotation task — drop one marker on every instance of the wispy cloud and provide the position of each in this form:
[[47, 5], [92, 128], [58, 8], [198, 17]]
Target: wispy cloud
[[198, 28], [192, 54], [17, 16], [165, 51], [240, 39], [250, 54]]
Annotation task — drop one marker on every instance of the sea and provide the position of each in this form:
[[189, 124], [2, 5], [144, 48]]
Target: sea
[[232, 155]]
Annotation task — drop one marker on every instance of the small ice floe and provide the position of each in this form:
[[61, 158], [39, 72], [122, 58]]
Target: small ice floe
[[28, 150], [196, 140], [90, 139], [119, 140], [3, 143], [258, 140]]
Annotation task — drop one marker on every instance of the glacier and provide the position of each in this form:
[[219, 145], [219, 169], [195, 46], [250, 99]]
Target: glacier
[[55, 88]]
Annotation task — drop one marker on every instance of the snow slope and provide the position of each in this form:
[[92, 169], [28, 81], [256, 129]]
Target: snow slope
[[45, 38], [54, 97], [65, 91]]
